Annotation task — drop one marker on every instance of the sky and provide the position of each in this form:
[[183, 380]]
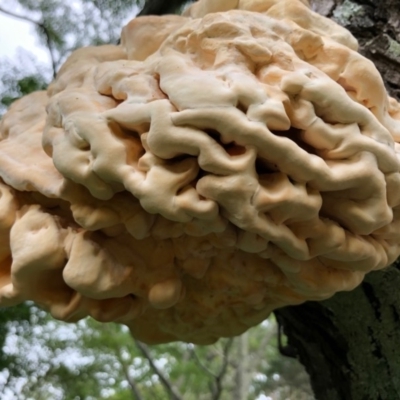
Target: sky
[[14, 34]]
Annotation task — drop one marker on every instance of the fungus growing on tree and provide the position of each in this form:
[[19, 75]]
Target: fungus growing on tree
[[201, 175]]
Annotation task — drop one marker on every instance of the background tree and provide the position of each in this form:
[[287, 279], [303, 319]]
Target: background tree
[[47, 359]]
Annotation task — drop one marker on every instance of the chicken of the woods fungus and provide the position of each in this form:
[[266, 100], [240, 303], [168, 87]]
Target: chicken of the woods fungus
[[211, 168]]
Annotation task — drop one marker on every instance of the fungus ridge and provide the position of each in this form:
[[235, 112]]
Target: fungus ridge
[[238, 166]]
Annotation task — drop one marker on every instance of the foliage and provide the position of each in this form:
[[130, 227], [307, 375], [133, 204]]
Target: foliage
[[22, 76], [20, 315], [89, 360]]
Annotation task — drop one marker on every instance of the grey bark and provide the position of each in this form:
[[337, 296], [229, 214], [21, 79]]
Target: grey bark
[[350, 344], [241, 389], [173, 394], [376, 25]]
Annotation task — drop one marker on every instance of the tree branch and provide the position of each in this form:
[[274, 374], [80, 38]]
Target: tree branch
[[131, 381], [220, 376], [49, 43], [242, 367], [185, 358], [201, 365], [22, 17], [165, 382], [42, 27]]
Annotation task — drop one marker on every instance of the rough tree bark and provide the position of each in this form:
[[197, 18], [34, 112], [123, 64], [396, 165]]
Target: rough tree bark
[[376, 25], [350, 344], [242, 384]]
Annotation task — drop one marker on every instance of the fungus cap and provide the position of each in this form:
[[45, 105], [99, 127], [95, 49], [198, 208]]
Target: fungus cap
[[190, 181]]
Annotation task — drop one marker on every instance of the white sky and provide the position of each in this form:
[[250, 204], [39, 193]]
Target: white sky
[[14, 34]]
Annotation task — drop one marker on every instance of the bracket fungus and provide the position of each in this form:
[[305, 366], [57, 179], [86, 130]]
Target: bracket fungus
[[211, 168]]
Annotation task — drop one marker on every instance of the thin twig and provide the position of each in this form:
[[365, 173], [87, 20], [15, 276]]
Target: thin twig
[[49, 42], [185, 358], [131, 381], [125, 367], [23, 17], [165, 382], [219, 378], [42, 27], [201, 365]]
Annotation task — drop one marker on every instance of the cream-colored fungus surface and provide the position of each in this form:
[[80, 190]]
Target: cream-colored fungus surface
[[210, 169]]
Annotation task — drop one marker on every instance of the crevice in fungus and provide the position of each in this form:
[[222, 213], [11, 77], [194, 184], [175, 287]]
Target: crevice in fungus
[[5, 271], [144, 128], [123, 133], [157, 78], [214, 134], [131, 140], [232, 148], [85, 147], [243, 108], [177, 159], [263, 167], [201, 173], [294, 134], [131, 134], [111, 97]]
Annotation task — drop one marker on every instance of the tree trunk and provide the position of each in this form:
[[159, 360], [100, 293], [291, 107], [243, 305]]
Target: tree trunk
[[350, 344], [242, 369]]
